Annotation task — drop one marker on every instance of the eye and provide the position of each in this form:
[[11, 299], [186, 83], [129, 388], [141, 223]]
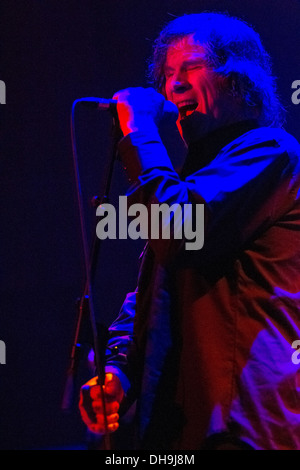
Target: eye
[[169, 74], [194, 67]]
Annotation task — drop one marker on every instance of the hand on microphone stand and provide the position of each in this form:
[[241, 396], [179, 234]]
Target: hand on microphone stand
[[91, 405]]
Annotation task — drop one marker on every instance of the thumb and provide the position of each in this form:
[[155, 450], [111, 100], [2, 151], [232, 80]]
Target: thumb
[[113, 386]]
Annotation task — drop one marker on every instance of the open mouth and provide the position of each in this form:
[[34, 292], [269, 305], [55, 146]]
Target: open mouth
[[186, 108]]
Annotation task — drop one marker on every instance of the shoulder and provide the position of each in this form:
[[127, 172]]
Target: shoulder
[[267, 136], [265, 141]]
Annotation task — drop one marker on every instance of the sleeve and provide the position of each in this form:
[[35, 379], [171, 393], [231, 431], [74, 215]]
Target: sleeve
[[250, 183], [120, 339]]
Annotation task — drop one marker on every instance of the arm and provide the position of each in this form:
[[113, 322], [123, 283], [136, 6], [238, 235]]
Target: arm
[[246, 188], [117, 383], [120, 341]]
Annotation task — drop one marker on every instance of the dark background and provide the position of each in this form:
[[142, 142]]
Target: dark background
[[53, 52]]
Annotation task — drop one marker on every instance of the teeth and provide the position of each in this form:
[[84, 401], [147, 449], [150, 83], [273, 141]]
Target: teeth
[[190, 104]]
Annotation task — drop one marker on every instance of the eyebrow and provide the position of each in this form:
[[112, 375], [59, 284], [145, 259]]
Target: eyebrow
[[192, 61]]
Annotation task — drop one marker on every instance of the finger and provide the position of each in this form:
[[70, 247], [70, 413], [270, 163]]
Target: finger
[[110, 419], [95, 392], [122, 94], [110, 408], [99, 429], [111, 386], [109, 377], [110, 394], [94, 413], [111, 389]]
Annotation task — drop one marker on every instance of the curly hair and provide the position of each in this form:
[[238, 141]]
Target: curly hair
[[234, 50]]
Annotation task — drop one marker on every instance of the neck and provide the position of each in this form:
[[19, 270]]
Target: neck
[[203, 150], [198, 125]]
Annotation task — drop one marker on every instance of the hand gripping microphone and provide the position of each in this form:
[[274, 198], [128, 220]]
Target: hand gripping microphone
[[104, 104]]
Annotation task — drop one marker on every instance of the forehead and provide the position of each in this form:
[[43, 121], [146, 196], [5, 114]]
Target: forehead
[[183, 49]]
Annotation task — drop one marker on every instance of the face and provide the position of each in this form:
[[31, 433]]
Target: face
[[192, 84]]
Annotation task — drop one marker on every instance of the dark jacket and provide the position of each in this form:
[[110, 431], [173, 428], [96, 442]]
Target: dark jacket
[[205, 342]]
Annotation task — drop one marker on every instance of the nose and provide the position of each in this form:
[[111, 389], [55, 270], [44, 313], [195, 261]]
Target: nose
[[180, 83]]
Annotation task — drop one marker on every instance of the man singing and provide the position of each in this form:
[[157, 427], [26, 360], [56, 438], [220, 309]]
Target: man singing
[[203, 346]]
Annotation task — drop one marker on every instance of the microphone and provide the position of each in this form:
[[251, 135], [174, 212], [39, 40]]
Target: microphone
[[102, 104], [105, 104]]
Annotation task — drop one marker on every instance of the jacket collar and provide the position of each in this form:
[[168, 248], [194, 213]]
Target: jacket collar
[[202, 151]]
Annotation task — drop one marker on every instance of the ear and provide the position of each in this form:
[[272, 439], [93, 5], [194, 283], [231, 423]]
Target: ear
[[234, 86]]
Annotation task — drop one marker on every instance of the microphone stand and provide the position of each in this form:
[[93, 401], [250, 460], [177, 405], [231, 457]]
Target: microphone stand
[[86, 305]]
